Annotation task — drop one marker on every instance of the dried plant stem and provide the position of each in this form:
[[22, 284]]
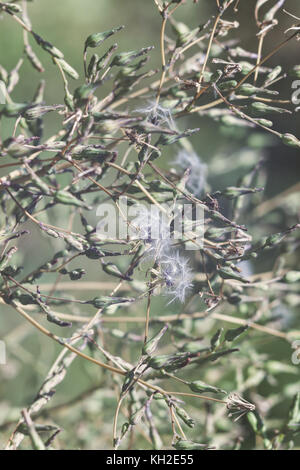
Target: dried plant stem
[[266, 58], [259, 52], [165, 15]]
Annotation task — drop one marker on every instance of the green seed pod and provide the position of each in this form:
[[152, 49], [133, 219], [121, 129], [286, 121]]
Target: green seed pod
[[185, 417], [183, 33], [259, 427], [27, 299], [103, 61], [11, 8], [295, 72], [68, 69], [94, 40], [216, 339], [232, 192], [40, 184], [247, 89], [231, 335], [294, 414], [124, 58], [260, 108], [94, 253], [246, 67], [229, 273], [64, 197], [50, 232], [290, 140], [275, 239], [158, 396], [15, 148], [90, 152], [113, 270], [103, 302], [200, 387], [292, 276], [92, 67], [152, 343], [264, 122], [15, 109], [84, 92], [274, 73], [228, 85], [48, 47], [169, 362], [75, 243], [216, 233], [189, 445], [76, 274], [233, 121], [69, 100]]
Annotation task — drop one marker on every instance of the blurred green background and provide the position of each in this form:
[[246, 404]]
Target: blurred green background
[[66, 24]]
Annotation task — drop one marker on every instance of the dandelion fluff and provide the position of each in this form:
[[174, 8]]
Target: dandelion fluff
[[158, 114], [177, 275], [198, 170]]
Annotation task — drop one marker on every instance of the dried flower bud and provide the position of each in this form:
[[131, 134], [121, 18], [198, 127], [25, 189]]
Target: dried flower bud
[[37, 112], [238, 405]]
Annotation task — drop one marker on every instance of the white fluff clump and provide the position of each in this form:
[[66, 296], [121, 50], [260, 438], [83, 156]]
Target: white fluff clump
[[153, 227], [158, 115], [177, 275], [198, 170]]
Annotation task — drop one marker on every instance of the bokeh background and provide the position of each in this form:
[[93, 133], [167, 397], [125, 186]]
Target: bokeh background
[[66, 24]]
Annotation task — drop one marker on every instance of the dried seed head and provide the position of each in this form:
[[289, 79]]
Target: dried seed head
[[238, 405]]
